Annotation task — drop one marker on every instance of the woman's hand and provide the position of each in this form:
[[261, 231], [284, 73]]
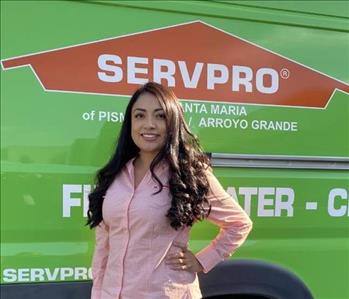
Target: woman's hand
[[183, 260]]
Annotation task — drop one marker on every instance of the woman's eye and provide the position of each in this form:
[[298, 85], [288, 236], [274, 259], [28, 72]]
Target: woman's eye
[[138, 115], [161, 116]]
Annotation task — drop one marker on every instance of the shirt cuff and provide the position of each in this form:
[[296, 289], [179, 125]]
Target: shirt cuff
[[208, 258], [96, 293]]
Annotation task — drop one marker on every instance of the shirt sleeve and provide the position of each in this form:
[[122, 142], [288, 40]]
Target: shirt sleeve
[[233, 221], [99, 260]]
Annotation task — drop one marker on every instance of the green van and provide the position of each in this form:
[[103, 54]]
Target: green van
[[264, 84]]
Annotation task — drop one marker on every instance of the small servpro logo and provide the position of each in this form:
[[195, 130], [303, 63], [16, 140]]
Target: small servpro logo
[[199, 61]]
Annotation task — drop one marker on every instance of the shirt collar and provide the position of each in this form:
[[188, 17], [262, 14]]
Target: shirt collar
[[159, 168]]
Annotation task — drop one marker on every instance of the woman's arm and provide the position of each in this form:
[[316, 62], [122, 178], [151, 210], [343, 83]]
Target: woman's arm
[[100, 258], [234, 225]]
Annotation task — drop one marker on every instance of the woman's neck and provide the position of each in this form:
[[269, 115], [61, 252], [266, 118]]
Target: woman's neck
[[144, 160]]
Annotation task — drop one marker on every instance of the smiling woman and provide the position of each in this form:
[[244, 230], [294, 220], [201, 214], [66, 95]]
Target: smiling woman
[[148, 131], [155, 187], [148, 125]]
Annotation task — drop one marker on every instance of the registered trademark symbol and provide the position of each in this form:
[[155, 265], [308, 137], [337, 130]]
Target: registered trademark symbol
[[285, 73]]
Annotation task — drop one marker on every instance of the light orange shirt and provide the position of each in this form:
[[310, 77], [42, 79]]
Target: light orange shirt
[[135, 236]]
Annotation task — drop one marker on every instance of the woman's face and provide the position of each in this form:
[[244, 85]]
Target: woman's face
[[148, 124]]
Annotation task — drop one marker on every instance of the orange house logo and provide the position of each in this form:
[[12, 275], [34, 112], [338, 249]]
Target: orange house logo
[[199, 61]]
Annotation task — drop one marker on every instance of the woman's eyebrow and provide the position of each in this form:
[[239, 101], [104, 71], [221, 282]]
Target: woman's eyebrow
[[143, 110]]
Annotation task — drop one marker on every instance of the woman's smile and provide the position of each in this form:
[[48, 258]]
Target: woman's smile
[[150, 136]]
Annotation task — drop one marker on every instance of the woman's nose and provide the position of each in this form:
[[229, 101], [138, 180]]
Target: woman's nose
[[150, 123]]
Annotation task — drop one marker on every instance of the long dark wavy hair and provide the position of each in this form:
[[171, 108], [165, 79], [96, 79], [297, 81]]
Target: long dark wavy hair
[[188, 182]]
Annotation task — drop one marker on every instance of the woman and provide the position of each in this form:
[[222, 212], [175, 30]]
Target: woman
[[155, 187]]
